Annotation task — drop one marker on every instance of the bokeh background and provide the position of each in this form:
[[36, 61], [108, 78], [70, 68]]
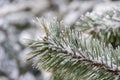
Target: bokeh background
[[16, 26]]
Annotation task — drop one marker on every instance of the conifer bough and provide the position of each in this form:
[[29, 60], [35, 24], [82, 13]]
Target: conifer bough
[[70, 55]]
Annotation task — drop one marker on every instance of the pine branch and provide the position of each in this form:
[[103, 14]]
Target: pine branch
[[105, 27], [67, 52]]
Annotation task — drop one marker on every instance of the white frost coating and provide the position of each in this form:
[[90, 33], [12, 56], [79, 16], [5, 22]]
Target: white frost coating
[[46, 75], [101, 60], [27, 76], [2, 37], [68, 49], [71, 17]]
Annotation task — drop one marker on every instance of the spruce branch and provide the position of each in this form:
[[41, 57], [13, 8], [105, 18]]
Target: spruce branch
[[67, 52]]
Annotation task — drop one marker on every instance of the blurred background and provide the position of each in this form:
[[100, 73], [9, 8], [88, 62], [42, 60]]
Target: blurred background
[[16, 25]]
